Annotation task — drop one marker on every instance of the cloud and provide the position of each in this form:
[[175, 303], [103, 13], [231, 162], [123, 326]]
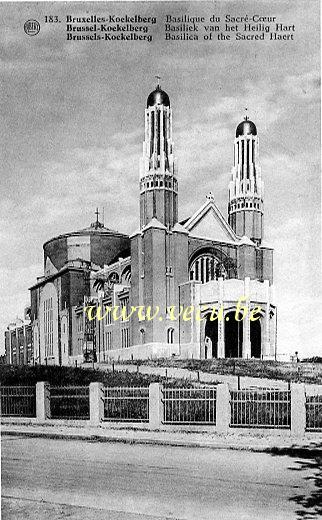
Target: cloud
[[305, 86]]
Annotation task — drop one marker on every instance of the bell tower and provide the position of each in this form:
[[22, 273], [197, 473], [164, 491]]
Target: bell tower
[[158, 181], [246, 189]]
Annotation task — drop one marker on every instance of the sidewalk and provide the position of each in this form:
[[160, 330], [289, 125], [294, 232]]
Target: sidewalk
[[256, 442]]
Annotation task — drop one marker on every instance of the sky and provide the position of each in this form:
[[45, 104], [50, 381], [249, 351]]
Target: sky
[[72, 127]]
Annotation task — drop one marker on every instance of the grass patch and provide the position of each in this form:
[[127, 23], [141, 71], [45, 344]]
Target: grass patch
[[67, 376], [25, 375], [296, 372]]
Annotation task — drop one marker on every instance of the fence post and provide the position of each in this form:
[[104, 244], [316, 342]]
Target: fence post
[[155, 406], [298, 409], [222, 408], [42, 401], [96, 403]]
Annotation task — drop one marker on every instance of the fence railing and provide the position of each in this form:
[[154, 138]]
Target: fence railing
[[260, 408], [18, 401], [69, 402], [128, 404], [189, 405], [158, 405], [313, 407]]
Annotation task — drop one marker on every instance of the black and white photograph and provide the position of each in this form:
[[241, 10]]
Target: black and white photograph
[[160, 342]]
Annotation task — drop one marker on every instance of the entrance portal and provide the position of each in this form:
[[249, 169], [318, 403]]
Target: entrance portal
[[233, 336], [255, 338], [211, 332]]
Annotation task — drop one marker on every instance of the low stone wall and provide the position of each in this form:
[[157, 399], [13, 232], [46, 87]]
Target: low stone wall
[[155, 351], [146, 351]]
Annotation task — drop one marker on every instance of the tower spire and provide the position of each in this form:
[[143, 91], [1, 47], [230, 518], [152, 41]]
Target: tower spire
[[245, 209], [158, 182]]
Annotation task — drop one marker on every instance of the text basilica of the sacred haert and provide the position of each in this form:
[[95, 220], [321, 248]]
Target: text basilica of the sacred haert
[[204, 262]]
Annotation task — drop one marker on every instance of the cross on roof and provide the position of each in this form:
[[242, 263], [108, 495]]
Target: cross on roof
[[97, 214], [158, 79]]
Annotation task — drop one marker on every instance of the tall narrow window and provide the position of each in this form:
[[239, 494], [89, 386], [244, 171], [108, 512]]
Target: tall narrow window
[[152, 132], [158, 132], [170, 335], [48, 327]]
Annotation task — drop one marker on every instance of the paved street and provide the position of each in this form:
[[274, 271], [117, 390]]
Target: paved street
[[78, 480]]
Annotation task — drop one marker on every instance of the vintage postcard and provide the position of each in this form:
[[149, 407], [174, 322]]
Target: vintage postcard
[[160, 352]]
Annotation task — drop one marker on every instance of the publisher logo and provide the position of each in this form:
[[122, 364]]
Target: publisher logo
[[31, 27]]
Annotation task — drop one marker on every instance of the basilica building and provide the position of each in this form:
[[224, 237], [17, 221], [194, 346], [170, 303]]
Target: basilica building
[[204, 263]]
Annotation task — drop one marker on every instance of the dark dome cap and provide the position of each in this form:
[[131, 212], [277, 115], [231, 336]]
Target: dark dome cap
[[246, 127], [158, 97]]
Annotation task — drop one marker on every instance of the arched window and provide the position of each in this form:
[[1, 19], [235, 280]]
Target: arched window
[[142, 333], [206, 267], [126, 275], [170, 335]]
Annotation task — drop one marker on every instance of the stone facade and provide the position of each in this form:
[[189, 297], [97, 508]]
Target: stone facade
[[18, 342], [69, 263], [202, 263]]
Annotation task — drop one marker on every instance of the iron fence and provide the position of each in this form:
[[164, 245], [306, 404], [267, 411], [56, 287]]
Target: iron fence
[[18, 401], [128, 404], [69, 402], [314, 412], [189, 405], [261, 408]]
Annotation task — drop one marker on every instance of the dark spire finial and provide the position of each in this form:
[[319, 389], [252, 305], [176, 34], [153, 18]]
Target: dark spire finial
[[246, 116], [97, 224], [158, 80]]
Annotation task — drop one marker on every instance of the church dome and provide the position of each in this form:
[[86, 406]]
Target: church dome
[[246, 127], [158, 97], [96, 244]]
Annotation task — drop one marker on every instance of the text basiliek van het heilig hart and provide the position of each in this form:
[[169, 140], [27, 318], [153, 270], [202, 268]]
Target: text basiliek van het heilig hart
[[229, 27], [110, 28]]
